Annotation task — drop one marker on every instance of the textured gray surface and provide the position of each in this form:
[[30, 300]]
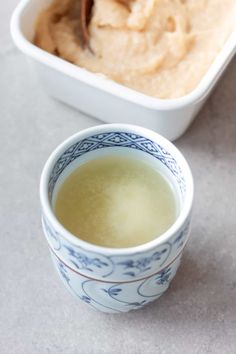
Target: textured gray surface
[[37, 315]]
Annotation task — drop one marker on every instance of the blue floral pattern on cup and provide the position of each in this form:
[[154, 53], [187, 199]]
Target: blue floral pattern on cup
[[116, 297], [141, 265], [115, 267]]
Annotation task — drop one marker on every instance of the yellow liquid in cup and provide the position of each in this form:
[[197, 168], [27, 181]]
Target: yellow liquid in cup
[[116, 202]]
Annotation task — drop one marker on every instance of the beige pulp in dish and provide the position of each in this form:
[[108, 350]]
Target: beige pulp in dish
[[116, 202], [162, 48]]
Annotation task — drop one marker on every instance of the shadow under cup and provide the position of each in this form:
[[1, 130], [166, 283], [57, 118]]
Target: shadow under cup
[[111, 279]]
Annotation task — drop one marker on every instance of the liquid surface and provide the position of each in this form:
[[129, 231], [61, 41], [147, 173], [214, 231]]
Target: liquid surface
[[116, 202], [162, 48]]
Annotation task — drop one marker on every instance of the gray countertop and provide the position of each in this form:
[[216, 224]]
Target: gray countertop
[[37, 314]]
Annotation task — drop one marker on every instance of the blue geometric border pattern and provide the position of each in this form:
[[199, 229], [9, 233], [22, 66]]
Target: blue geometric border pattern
[[118, 139]]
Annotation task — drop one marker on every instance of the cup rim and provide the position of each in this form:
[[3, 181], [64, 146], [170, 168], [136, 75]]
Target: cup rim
[[100, 129]]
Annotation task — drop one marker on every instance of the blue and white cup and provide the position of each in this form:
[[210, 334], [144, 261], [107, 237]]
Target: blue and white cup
[[116, 279]]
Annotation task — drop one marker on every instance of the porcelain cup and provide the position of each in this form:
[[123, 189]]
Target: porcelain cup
[[116, 280]]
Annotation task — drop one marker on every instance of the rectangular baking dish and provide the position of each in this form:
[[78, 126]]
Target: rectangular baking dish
[[104, 98]]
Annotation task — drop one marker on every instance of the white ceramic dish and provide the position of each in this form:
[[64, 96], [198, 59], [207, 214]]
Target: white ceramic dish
[[105, 99]]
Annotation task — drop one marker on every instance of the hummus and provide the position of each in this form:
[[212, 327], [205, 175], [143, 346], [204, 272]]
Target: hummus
[[162, 48]]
